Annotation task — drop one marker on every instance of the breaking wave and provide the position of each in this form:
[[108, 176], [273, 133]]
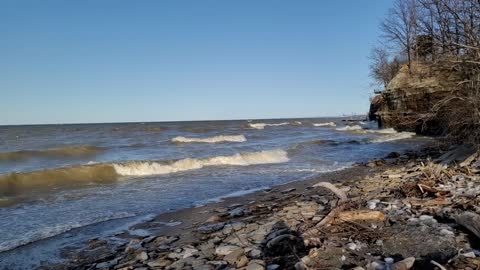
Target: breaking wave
[[327, 124], [383, 131], [393, 137], [263, 125], [350, 128], [215, 139], [143, 168], [64, 152], [15, 183]]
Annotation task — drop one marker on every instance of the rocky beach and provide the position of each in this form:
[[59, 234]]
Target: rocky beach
[[414, 210]]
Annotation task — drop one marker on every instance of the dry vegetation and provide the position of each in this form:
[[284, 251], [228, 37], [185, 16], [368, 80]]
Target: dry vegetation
[[442, 35]]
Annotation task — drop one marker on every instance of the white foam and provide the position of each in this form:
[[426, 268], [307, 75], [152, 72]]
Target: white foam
[[142, 168], [350, 128], [393, 137], [327, 124], [383, 131], [263, 125], [215, 139]]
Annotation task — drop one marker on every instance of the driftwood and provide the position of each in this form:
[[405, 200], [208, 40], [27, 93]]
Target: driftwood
[[342, 198], [331, 216], [360, 215], [441, 267], [470, 221], [429, 203]]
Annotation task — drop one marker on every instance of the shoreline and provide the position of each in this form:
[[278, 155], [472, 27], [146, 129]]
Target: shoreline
[[184, 222], [130, 224], [401, 212]]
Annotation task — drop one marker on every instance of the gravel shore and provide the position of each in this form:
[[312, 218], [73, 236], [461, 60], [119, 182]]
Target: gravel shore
[[401, 212]]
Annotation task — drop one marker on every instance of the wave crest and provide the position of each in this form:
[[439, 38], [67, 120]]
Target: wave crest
[[263, 125], [383, 131], [63, 152], [327, 124], [350, 128], [15, 183], [215, 139], [144, 168], [394, 137]]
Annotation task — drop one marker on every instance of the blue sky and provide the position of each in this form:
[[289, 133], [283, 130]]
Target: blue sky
[[114, 61]]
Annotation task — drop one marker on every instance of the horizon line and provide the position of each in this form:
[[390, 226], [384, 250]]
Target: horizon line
[[174, 121]]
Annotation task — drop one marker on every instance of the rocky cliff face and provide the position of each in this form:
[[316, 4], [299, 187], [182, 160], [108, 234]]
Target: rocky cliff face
[[407, 102]]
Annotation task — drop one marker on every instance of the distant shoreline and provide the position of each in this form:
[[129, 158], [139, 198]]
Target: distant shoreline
[[364, 116]]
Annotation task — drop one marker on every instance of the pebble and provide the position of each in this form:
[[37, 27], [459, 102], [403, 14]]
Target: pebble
[[255, 253], [211, 228], [189, 252], [470, 254], [404, 264], [446, 232], [237, 212], [426, 219], [225, 250], [213, 219], [233, 255], [372, 204], [352, 246], [256, 265], [143, 256]]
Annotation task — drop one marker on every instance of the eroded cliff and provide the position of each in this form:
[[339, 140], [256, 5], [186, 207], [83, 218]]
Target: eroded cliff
[[407, 102]]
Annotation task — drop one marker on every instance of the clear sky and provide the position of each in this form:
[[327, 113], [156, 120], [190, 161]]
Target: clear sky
[[114, 61]]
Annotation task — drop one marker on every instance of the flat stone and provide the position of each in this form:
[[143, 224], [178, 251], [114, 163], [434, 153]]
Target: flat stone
[[165, 240], [204, 267], [233, 256], [189, 252], [238, 226], [255, 253], [211, 228], [225, 250], [214, 218], [254, 265], [142, 256], [159, 263], [237, 212], [242, 261], [108, 264]]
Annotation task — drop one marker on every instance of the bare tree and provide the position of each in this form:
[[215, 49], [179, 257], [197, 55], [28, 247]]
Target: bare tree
[[399, 27], [382, 69]]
